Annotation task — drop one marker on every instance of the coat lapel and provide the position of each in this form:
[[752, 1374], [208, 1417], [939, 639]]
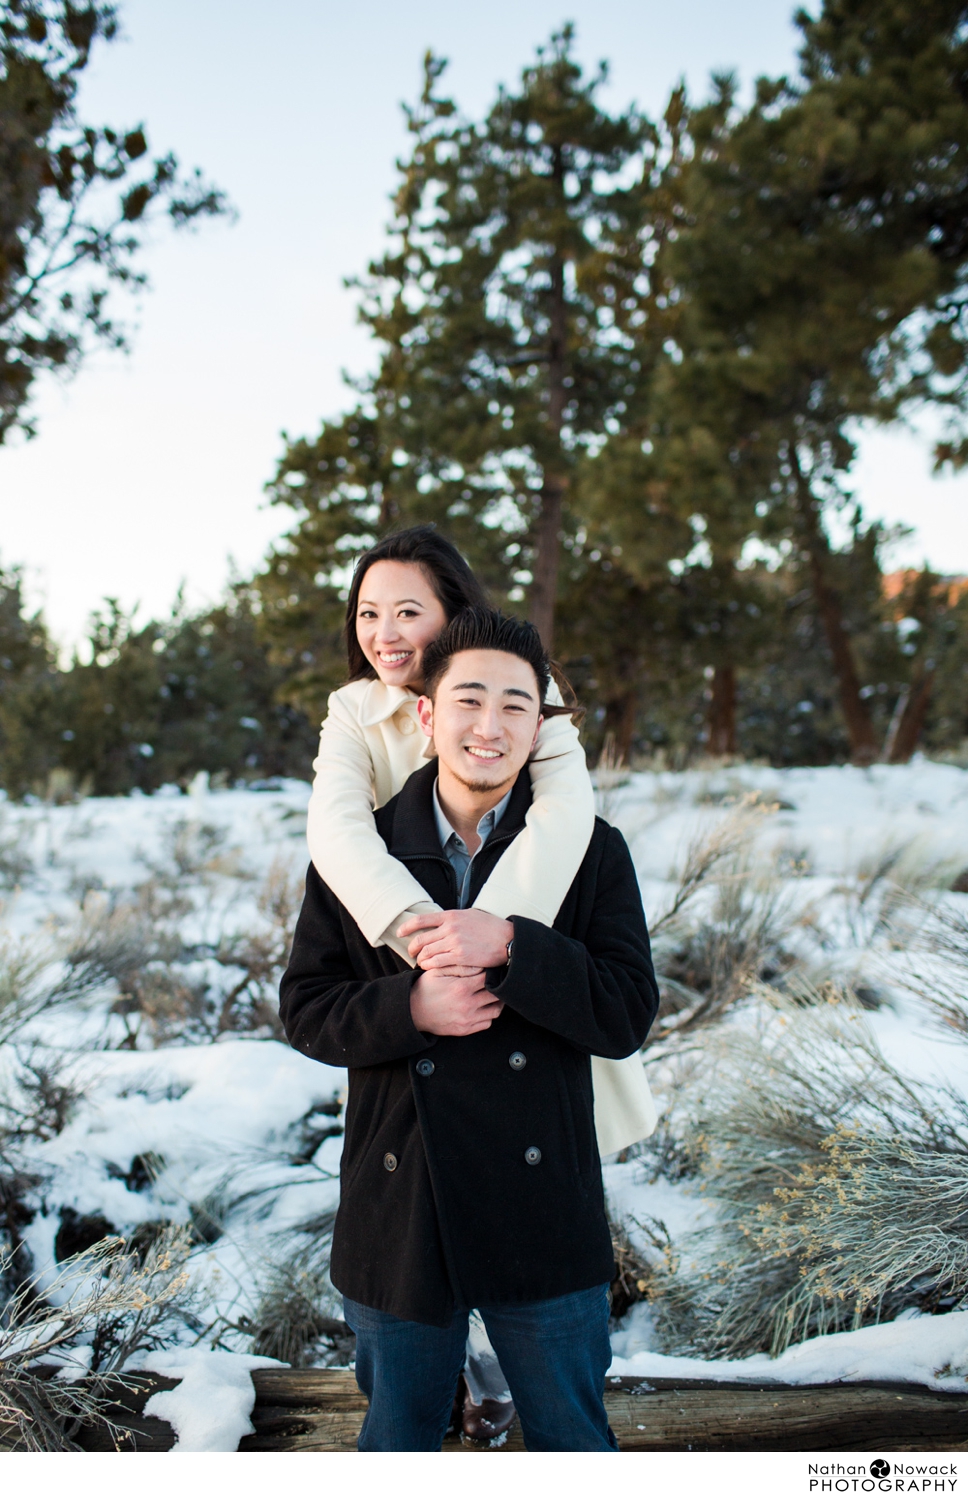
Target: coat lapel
[[413, 839]]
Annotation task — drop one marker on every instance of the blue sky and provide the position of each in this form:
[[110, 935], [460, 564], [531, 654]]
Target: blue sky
[[149, 469]]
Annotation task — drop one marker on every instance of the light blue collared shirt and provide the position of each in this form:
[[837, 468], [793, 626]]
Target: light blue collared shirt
[[455, 848]]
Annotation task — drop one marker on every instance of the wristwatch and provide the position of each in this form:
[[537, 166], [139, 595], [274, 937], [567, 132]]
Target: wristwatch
[[510, 946]]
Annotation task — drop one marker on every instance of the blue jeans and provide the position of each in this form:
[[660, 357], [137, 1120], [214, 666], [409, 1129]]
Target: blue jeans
[[554, 1354]]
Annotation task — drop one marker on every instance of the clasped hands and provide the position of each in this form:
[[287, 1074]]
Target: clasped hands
[[453, 949]]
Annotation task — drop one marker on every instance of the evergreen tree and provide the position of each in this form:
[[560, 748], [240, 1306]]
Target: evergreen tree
[[820, 267], [505, 313], [28, 692], [75, 199]]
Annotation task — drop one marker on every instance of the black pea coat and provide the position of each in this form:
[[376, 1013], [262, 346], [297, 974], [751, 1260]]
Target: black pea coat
[[470, 1171]]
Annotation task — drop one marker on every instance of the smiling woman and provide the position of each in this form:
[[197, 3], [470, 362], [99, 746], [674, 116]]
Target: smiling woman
[[404, 590], [397, 616]]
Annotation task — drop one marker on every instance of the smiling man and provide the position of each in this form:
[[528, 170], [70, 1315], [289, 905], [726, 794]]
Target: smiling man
[[470, 1174]]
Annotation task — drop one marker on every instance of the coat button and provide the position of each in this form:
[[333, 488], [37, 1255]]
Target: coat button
[[532, 1156], [518, 1061], [425, 1067], [390, 1161], [407, 726]]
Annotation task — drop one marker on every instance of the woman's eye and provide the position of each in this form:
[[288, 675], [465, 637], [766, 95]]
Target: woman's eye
[[407, 614]]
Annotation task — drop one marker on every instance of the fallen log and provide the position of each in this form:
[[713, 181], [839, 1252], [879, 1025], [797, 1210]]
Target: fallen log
[[134, 1432], [321, 1411]]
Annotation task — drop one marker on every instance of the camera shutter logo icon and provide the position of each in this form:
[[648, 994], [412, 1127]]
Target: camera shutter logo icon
[[880, 1468]]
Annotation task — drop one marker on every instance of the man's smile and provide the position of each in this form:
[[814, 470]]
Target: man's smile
[[479, 753]]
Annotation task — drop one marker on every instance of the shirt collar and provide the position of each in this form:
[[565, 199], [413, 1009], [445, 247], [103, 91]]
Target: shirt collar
[[485, 827]]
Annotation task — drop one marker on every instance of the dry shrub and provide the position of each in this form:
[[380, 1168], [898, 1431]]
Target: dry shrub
[[261, 954], [16, 861], [727, 927], [842, 1190], [635, 1277], [60, 1365], [940, 936], [295, 1317]]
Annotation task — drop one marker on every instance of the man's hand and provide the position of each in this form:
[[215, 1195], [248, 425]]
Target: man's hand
[[452, 1007], [458, 942]]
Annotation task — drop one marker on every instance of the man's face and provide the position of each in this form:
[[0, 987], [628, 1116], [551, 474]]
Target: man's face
[[484, 718]]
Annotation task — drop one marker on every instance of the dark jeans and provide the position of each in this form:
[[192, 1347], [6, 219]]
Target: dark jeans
[[554, 1354]]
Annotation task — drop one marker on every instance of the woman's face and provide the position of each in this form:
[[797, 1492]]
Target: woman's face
[[397, 615]]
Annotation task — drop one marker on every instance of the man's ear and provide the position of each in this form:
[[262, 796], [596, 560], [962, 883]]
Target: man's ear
[[537, 728], [425, 713]]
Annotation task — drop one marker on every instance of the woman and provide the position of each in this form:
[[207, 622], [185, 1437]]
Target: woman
[[404, 591]]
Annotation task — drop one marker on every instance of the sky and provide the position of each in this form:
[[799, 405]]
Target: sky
[[149, 469]]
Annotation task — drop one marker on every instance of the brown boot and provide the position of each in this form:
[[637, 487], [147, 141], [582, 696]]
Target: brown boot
[[487, 1425]]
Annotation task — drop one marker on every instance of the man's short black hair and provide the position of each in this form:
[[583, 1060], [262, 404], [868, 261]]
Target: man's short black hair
[[478, 629]]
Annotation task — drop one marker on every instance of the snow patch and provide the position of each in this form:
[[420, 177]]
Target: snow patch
[[210, 1409], [930, 1351]]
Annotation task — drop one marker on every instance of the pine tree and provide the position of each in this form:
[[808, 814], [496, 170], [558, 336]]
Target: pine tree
[[815, 227], [29, 743], [511, 305], [74, 199]]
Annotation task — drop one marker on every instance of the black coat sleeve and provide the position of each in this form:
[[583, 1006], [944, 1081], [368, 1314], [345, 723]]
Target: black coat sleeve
[[599, 994], [328, 1013]]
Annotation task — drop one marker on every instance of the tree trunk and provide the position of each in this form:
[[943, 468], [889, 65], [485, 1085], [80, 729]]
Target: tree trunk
[[620, 725], [544, 587], [905, 739], [857, 717], [722, 712], [547, 539]]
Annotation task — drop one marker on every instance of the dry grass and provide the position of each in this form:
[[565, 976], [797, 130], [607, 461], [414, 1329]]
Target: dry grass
[[63, 1347], [842, 1191], [727, 927], [934, 934], [295, 1319], [128, 952]]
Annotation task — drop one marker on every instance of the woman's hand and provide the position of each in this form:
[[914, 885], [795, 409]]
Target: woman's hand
[[458, 943]]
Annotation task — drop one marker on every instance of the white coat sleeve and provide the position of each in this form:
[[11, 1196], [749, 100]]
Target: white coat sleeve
[[532, 877], [376, 889]]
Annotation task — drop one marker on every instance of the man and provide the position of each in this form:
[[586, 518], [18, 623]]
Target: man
[[470, 1174]]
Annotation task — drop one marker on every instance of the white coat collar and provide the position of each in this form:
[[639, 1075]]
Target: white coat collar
[[379, 702]]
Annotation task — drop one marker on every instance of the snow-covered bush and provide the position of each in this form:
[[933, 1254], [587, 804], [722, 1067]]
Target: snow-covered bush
[[728, 926], [65, 1343], [937, 966], [16, 863], [841, 1191]]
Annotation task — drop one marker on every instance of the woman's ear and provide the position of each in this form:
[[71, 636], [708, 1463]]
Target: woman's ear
[[425, 713]]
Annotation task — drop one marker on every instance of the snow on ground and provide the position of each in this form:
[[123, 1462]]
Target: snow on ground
[[214, 1134]]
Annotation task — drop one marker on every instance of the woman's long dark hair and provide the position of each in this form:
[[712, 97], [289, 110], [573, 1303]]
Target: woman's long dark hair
[[447, 572]]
